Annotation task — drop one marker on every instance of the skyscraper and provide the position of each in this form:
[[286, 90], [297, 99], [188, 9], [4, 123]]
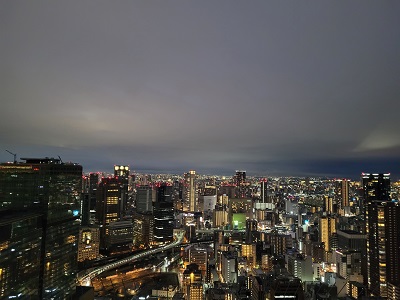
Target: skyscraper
[[327, 226], [108, 204], [145, 196], [382, 229], [164, 215], [52, 189], [190, 192], [344, 186], [20, 233], [122, 174]]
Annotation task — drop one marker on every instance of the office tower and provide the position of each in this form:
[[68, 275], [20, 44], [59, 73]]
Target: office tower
[[382, 229], [108, 205], [20, 254], [143, 227], [190, 192], [326, 228], [122, 174], [145, 197], [119, 237], [53, 189], [264, 190], [376, 186], [88, 243], [164, 215]]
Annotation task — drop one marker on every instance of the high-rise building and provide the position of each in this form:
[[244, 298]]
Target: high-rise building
[[327, 227], [240, 183], [350, 240], [190, 192], [240, 178], [343, 188], [145, 197], [20, 254], [264, 190], [382, 229], [122, 174], [300, 266], [229, 267], [108, 205], [143, 227], [52, 189], [164, 215], [119, 237], [251, 231]]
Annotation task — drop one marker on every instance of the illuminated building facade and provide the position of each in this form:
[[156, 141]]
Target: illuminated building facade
[[190, 192], [249, 251], [108, 205], [382, 229], [53, 189], [122, 174], [343, 187], [327, 227], [88, 243], [143, 225]]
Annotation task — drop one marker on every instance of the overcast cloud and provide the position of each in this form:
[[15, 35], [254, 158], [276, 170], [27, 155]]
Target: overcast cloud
[[273, 87]]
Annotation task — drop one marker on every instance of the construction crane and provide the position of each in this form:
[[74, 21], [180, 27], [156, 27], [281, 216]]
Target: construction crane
[[15, 156]]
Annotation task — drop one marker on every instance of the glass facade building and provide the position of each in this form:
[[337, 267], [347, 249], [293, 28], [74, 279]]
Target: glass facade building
[[20, 248], [52, 189]]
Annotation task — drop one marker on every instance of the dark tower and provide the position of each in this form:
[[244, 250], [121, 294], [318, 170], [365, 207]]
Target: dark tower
[[382, 229], [164, 215], [52, 189]]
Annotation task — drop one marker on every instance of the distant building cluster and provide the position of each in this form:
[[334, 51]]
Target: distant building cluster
[[244, 237]]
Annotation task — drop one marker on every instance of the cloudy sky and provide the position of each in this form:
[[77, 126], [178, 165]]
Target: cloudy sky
[[271, 87]]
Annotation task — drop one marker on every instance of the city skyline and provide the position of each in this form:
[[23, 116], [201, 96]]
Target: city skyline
[[269, 87]]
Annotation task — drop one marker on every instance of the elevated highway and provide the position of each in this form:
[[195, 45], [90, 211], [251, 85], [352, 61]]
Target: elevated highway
[[86, 279]]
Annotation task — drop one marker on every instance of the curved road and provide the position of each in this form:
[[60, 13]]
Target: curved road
[[87, 278]]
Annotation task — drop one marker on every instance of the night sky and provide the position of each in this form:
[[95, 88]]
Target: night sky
[[271, 87]]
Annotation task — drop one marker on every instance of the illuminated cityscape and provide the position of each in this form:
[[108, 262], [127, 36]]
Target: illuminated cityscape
[[309, 235], [200, 150]]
